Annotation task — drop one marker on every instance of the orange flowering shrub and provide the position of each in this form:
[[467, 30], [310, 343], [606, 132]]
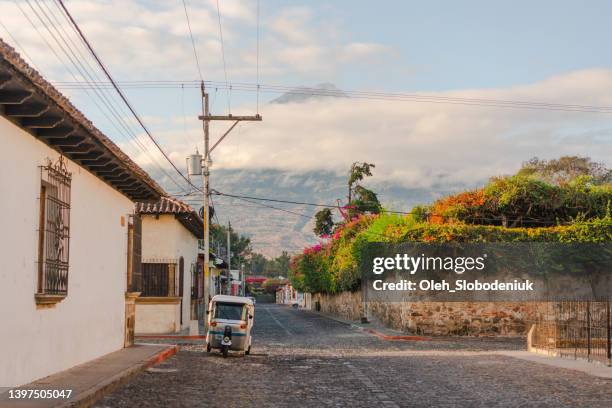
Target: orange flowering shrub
[[449, 209]]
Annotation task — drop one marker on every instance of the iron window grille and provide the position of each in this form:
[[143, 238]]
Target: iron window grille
[[161, 279], [54, 228], [134, 275]]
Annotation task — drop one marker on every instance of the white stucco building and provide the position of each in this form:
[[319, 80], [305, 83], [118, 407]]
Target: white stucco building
[[286, 294], [68, 194], [170, 232]]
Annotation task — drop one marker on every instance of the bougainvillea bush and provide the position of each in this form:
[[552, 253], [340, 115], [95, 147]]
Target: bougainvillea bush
[[510, 209], [525, 201]]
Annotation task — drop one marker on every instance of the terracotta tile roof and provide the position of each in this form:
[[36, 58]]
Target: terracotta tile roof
[[166, 205], [88, 146], [184, 213]]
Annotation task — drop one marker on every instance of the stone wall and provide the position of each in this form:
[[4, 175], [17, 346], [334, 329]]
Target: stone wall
[[438, 318], [346, 305], [457, 318]]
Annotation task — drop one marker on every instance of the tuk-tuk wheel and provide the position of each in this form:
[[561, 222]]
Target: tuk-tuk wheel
[[208, 348], [248, 351], [224, 350]]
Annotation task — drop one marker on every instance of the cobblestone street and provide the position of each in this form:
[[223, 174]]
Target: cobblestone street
[[303, 359]]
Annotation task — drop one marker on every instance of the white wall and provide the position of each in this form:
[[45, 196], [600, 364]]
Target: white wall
[[166, 238], [157, 318], [89, 322]]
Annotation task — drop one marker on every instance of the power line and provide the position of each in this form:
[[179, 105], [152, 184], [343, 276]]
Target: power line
[[123, 97], [195, 53], [61, 61], [75, 60], [215, 192], [131, 136], [19, 45], [257, 56], [355, 94], [188, 137], [212, 204], [531, 220], [274, 208], [197, 61], [229, 89]]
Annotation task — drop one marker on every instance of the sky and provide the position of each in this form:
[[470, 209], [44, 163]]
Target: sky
[[544, 51]]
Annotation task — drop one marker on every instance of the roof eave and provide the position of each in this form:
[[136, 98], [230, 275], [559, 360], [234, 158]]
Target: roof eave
[[34, 105]]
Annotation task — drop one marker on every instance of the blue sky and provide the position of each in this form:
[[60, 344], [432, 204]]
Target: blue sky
[[440, 45]]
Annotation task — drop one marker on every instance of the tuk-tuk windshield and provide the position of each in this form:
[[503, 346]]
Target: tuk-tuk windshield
[[229, 311]]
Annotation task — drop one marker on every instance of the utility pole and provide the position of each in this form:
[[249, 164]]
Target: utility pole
[[240, 276], [206, 117], [228, 288], [206, 172]]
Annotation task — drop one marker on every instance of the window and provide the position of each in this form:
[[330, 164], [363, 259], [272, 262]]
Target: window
[[134, 259], [181, 275], [230, 311], [54, 229], [196, 284], [161, 279]]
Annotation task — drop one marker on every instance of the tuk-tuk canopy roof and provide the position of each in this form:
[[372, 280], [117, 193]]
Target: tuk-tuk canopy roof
[[232, 299]]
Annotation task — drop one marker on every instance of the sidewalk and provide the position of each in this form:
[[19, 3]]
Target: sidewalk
[[591, 368], [91, 380]]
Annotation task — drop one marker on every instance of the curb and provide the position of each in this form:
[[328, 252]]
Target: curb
[[92, 395], [394, 337], [160, 357], [170, 336]]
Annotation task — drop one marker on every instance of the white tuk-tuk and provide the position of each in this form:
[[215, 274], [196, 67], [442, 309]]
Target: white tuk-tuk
[[230, 320]]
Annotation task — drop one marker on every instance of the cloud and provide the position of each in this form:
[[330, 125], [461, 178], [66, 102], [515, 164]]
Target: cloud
[[425, 144], [358, 50], [291, 25], [139, 40]]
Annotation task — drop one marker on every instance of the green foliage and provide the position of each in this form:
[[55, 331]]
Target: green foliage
[[357, 173], [525, 201], [335, 268], [599, 230], [520, 208], [531, 201], [420, 213], [258, 264], [365, 201], [566, 169], [241, 245], [316, 273], [382, 228], [271, 285], [280, 264], [324, 222]]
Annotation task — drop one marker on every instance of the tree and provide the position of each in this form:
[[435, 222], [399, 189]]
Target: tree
[[324, 223], [360, 200], [274, 267], [271, 285], [366, 201], [566, 169], [357, 173], [256, 263], [241, 245], [282, 262]]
